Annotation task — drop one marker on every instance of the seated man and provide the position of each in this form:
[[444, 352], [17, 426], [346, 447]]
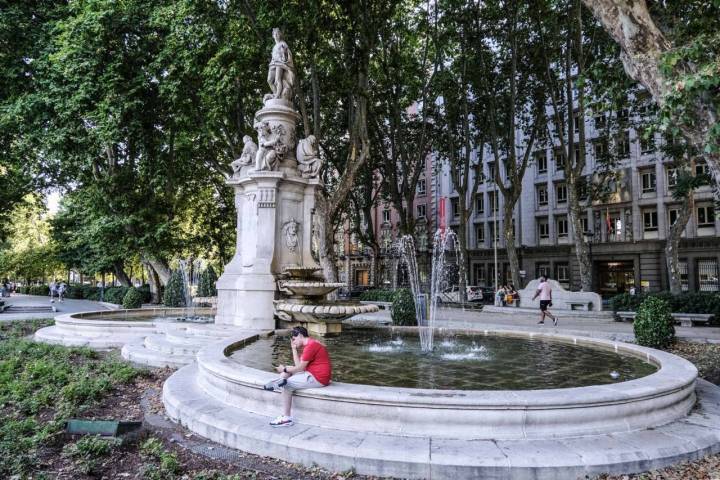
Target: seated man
[[311, 370]]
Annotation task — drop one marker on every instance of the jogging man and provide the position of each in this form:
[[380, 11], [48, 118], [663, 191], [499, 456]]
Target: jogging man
[[544, 290], [312, 369]]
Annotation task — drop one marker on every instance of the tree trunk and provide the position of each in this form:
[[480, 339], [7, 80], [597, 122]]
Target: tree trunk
[[673, 242], [326, 236], [121, 275], [154, 282], [161, 268], [642, 44], [462, 241], [512, 255], [581, 247]]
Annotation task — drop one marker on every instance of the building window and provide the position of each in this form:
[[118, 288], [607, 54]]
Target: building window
[[541, 161], [480, 203], [558, 157], [705, 216], [623, 115], [386, 215], [600, 121], [647, 143], [455, 207], [647, 178], [708, 275], [672, 176], [562, 227], [493, 201], [480, 234], [701, 169], [673, 214], [491, 171], [421, 187], [600, 148], [562, 274], [494, 234], [576, 147], [542, 195], [650, 221], [421, 211], [623, 144], [561, 192], [585, 224], [683, 264], [479, 274], [542, 269], [577, 119], [543, 228]]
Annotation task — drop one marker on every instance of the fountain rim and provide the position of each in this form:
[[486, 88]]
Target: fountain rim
[[674, 374]]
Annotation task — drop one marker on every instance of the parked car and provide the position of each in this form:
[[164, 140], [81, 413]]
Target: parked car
[[452, 294]]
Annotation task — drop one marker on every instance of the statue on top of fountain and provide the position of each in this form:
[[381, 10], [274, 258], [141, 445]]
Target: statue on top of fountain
[[281, 73]]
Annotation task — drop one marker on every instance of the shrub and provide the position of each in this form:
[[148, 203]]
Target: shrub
[[378, 295], [115, 294], [133, 298], [654, 324], [403, 308], [207, 283], [699, 302], [174, 291]]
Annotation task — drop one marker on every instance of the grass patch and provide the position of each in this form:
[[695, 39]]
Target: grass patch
[[41, 386]]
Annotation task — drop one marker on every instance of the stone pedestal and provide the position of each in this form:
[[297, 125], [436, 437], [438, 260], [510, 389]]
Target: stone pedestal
[[274, 226]]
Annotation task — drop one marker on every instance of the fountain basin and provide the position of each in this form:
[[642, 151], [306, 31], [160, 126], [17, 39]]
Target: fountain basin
[[308, 289], [647, 402], [319, 319]]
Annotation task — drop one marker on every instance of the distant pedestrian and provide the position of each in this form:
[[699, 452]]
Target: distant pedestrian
[[544, 291], [61, 291], [53, 289]]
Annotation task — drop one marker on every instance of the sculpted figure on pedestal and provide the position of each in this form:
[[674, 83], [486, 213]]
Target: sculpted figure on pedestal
[[281, 74], [290, 229], [246, 157], [308, 157], [270, 148]]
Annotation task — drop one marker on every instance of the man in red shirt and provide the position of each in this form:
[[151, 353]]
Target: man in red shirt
[[311, 370]]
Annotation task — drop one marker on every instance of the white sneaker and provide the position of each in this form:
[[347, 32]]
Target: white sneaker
[[282, 421]]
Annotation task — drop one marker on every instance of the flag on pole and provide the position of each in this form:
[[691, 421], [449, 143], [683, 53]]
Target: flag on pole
[[608, 221]]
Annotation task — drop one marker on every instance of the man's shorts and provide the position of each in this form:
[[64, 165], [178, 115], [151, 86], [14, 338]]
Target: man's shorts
[[302, 380], [544, 304]]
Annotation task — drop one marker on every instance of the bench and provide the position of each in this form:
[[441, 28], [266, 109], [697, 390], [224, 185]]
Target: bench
[[382, 305], [579, 305], [685, 319]]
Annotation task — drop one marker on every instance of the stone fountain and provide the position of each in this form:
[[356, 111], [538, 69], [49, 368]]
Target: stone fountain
[[276, 180]]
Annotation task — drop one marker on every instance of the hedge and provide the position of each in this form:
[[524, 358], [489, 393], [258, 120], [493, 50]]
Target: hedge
[[403, 308], [699, 302], [174, 291], [133, 298], [378, 295]]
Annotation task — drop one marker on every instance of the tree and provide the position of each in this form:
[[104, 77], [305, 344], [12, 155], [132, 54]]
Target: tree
[[678, 64]]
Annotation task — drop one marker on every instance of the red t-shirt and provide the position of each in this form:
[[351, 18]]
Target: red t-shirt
[[318, 360]]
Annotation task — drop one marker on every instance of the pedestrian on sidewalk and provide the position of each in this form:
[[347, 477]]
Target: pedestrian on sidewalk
[[544, 291]]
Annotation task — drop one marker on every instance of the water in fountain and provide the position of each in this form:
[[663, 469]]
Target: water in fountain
[[426, 305], [190, 271]]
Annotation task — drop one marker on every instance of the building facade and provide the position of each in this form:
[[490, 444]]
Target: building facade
[[626, 232]]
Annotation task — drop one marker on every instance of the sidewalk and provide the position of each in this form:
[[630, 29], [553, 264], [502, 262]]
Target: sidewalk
[[68, 306], [568, 325]]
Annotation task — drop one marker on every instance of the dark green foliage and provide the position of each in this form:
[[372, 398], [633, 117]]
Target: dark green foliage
[[378, 295], [698, 302], [54, 381], [133, 298], [174, 291], [167, 467], [115, 294], [653, 324], [207, 283], [403, 308], [34, 290], [88, 450]]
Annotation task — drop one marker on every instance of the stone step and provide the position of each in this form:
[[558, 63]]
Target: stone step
[[59, 336], [162, 343], [30, 309], [137, 353], [438, 458]]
